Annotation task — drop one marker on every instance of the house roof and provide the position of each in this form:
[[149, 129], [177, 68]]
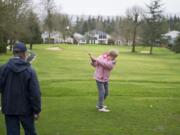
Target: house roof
[[172, 34], [54, 34], [93, 32], [78, 36]]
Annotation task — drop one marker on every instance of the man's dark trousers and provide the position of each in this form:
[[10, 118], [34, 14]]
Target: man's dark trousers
[[13, 124]]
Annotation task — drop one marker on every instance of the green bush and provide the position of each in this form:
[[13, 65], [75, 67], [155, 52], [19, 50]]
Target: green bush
[[176, 47], [3, 48]]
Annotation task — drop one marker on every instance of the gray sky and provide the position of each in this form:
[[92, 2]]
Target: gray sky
[[109, 7]]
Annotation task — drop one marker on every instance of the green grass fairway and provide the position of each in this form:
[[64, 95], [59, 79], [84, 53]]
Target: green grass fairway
[[144, 92]]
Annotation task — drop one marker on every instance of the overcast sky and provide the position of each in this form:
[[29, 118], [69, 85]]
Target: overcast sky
[[109, 7]]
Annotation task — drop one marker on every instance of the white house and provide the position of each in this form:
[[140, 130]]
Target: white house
[[97, 37], [79, 39], [68, 40], [55, 37], [171, 36], [119, 40]]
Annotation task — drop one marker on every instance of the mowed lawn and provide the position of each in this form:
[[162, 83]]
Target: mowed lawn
[[144, 92]]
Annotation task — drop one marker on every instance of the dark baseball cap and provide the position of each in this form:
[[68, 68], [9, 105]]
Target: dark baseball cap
[[20, 47]]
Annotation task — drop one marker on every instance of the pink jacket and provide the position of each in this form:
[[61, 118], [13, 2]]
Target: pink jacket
[[103, 68]]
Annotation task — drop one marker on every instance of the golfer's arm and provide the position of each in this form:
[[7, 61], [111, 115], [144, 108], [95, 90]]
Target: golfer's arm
[[94, 64], [108, 65]]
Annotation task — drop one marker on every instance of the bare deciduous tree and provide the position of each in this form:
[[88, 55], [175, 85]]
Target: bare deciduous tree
[[49, 7], [134, 15]]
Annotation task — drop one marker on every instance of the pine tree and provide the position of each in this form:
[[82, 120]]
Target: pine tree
[[153, 23]]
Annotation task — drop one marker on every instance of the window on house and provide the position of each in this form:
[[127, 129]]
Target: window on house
[[102, 36]]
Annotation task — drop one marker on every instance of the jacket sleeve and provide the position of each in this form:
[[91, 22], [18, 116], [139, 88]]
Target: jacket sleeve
[[106, 64], [35, 94], [1, 83], [2, 76], [94, 64]]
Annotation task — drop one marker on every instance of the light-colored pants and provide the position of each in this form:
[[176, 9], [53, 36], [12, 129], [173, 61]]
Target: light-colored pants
[[102, 92]]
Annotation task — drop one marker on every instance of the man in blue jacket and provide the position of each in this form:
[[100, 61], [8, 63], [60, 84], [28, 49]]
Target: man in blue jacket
[[21, 97]]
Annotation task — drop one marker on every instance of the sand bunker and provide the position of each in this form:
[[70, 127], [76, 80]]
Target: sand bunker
[[54, 49], [145, 52]]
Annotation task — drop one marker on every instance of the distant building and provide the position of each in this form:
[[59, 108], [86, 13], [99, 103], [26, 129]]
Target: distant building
[[79, 39], [97, 37], [68, 40], [118, 40], [55, 37], [171, 36]]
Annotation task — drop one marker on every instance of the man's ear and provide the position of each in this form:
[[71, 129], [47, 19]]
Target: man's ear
[[23, 55]]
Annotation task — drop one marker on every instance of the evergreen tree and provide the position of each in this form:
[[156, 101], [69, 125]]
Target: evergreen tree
[[176, 47], [153, 24]]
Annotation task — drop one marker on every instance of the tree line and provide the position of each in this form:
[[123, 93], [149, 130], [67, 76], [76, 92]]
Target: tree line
[[19, 22]]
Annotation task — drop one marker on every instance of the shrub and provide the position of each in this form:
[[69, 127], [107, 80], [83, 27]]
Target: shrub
[[176, 47], [3, 48]]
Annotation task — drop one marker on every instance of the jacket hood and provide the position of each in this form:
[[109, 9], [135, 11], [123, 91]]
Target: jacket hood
[[17, 65]]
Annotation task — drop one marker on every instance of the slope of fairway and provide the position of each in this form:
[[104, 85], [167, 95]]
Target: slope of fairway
[[144, 92]]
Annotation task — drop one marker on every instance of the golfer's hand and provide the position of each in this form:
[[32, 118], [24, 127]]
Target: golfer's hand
[[92, 59], [36, 116], [89, 55]]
